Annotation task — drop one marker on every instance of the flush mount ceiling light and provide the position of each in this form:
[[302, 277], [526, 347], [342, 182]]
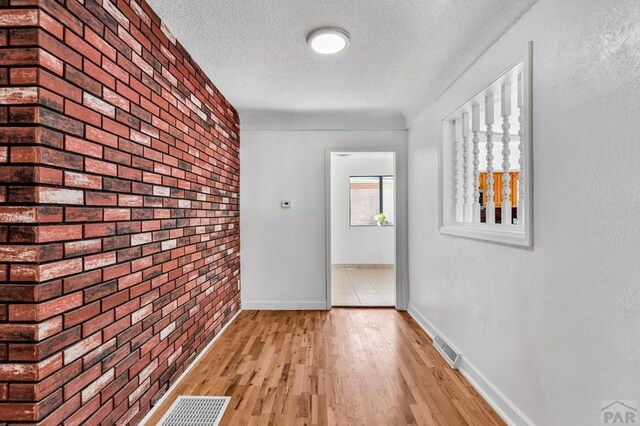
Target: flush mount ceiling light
[[328, 41]]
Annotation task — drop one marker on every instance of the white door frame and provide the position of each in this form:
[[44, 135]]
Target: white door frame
[[400, 225]]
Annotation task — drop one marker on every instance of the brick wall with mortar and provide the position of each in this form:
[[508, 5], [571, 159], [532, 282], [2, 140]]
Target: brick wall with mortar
[[119, 220]]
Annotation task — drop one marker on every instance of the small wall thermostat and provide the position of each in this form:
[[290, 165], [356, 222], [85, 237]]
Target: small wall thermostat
[[285, 204]]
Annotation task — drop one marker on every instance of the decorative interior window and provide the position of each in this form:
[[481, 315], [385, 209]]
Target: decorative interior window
[[486, 166], [371, 201]]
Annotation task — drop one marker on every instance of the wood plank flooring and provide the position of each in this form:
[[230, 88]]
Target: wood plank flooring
[[342, 367]]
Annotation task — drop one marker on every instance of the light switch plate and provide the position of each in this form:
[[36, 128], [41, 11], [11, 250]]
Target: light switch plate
[[285, 204]]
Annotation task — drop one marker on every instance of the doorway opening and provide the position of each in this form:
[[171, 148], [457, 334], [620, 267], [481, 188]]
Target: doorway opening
[[362, 231]]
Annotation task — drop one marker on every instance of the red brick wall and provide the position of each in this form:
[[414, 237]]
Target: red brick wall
[[119, 221]]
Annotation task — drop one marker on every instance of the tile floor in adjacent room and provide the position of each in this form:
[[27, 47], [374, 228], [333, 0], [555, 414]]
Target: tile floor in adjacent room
[[362, 286]]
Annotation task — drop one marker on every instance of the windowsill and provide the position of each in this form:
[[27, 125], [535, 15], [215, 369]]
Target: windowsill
[[371, 226], [505, 234]]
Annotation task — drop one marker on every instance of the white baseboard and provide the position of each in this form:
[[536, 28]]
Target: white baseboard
[[422, 322], [284, 306], [502, 405], [364, 265], [184, 373]]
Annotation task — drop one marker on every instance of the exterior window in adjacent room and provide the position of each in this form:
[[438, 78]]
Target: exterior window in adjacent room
[[486, 161], [371, 201]]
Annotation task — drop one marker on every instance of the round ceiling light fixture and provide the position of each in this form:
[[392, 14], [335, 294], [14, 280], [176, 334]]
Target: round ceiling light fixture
[[328, 41]]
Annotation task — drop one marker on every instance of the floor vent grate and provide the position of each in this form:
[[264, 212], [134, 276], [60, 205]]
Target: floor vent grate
[[196, 411]]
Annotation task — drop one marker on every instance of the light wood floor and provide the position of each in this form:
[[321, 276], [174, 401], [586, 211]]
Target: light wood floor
[[342, 367]]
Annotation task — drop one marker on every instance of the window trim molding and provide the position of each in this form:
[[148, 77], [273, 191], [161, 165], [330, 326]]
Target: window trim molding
[[518, 235]]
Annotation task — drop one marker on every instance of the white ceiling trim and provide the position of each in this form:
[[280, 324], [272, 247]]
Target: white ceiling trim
[[251, 119]]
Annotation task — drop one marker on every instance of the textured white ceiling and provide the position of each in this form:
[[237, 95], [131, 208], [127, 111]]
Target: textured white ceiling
[[403, 54]]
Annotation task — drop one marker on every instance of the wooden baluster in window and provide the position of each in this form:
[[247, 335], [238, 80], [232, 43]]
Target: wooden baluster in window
[[488, 121], [465, 167], [520, 156], [505, 102], [456, 169], [475, 128]]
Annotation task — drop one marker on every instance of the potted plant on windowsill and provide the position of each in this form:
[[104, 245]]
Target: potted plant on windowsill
[[381, 219]]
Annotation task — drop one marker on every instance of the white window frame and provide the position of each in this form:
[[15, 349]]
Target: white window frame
[[522, 233]]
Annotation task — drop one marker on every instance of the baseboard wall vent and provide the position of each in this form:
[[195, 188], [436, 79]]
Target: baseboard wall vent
[[448, 353]]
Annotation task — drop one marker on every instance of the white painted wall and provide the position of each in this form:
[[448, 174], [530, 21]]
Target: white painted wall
[[284, 251], [358, 244], [555, 328]]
